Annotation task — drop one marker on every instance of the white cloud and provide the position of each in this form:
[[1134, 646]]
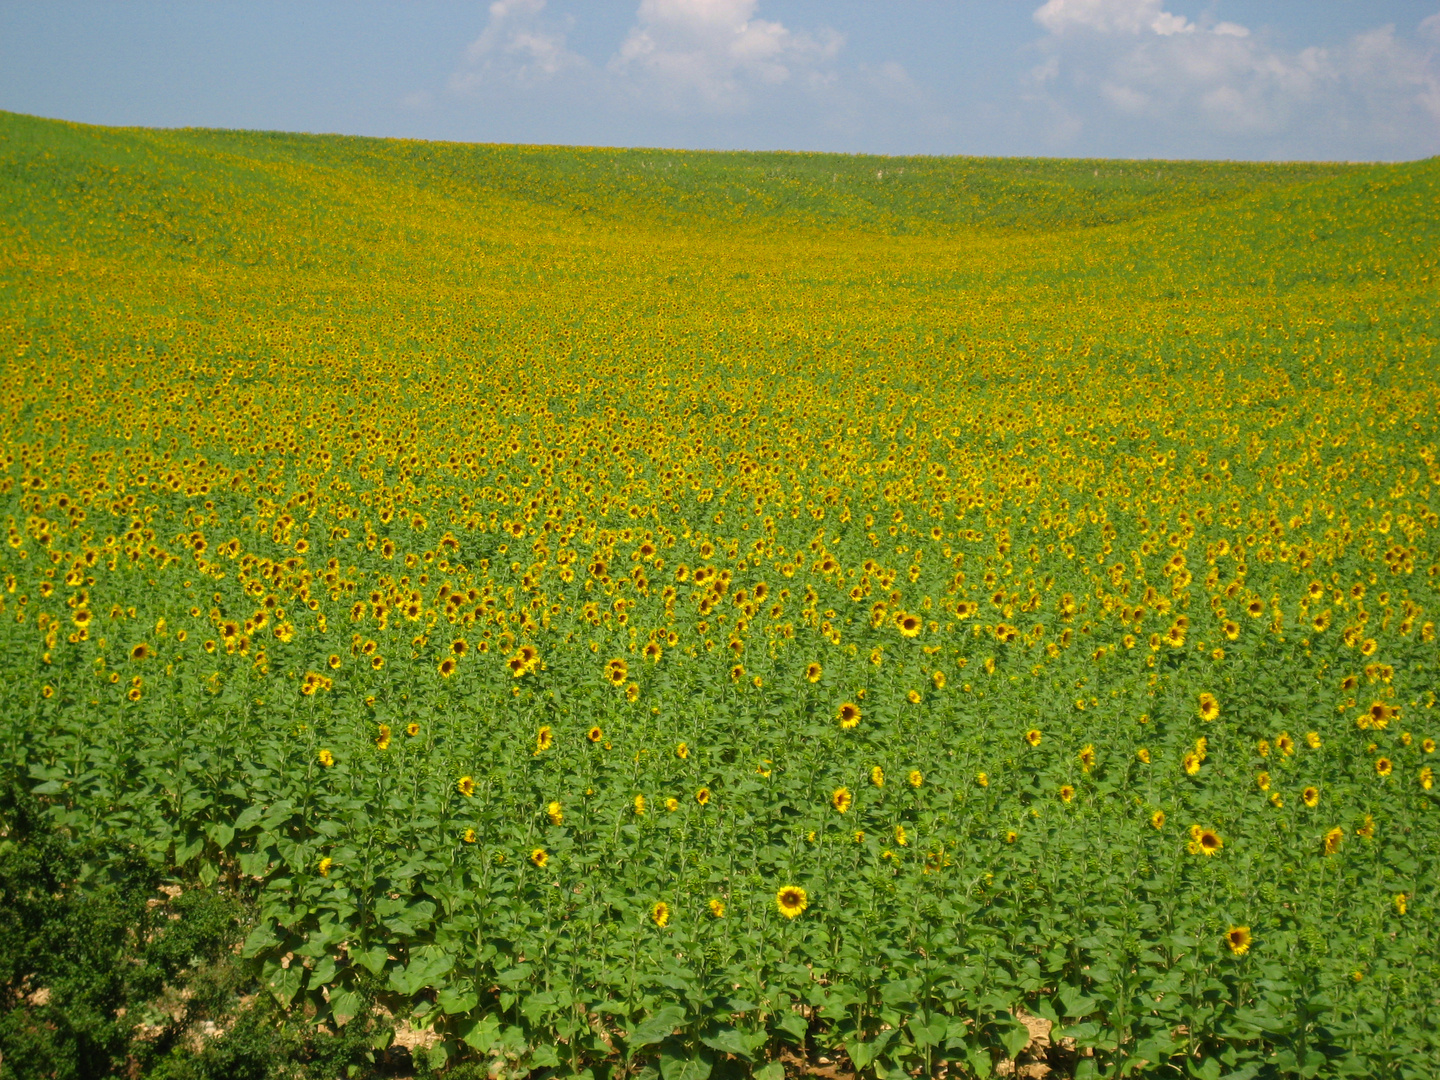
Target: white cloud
[[716, 53], [517, 47], [1140, 63]]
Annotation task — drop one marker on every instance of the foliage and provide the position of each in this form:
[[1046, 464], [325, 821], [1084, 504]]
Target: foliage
[[473, 551]]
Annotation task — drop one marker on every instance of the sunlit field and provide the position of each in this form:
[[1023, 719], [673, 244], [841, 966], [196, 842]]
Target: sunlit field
[[616, 611]]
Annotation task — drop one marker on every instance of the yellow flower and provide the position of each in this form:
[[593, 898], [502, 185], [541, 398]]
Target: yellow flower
[[717, 908], [1312, 740], [672, 804], [539, 857], [1033, 736], [1401, 903], [813, 672], [1310, 797], [466, 786], [1157, 819], [703, 796], [555, 812], [660, 913], [324, 866], [982, 779], [1087, 758], [901, 837], [412, 729], [682, 751], [468, 836], [791, 900], [877, 776], [1209, 842], [639, 804], [1333, 839], [915, 778], [1191, 763], [1144, 755], [1209, 707], [841, 799], [1383, 766], [1262, 781], [849, 714], [544, 739], [1238, 938], [594, 734], [1067, 792], [326, 758]]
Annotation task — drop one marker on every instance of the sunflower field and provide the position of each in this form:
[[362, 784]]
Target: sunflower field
[[635, 611]]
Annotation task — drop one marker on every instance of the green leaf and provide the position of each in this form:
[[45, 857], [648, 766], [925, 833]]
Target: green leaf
[[344, 1005], [457, 998], [656, 1028], [261, 938], [773, 1071], [480, 1035], [372, 959], [1015, 1036], [733, 1041], [685, 1064], [794, 1025], [284, 983], [438, 1056]]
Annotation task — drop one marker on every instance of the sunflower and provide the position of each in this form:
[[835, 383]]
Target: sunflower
[[594, 734], [412, 729], [639, 804], [1284, 743], [326, 758], [1087, 757], [913, 697], [982, 779], [1231, 629], [841, 799], [1191, 762], [466, 786], [141, 652], [1312, 740], [791, 900], [382, 737], [1333, 839], [1262, 781], [672, 804], [1427, 778], [1428, 746], [703, 796], [682, 750], [1157, 819], [544, 739], [1209, 842], [458, 647], [1033, 736], [324, 866], [653, 652], [1238, 938], [555, 812], [1209, 707], [1383, 766], [334, 662], [1067, 792], [1401, 902], [1011, 836], [468, 836], [717, 908], [877, 776], [1310, 797], [539, 857], [915, 778], [849, 715], [1367, 828], [1144, 755], [901, 836], [908, 625], [812, 672], [660, 913], [447, 667]]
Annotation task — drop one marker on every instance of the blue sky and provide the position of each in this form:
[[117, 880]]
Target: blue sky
[[1284, 79]]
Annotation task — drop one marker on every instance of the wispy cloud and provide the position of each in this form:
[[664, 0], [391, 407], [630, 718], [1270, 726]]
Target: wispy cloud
[[1119, 62]]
